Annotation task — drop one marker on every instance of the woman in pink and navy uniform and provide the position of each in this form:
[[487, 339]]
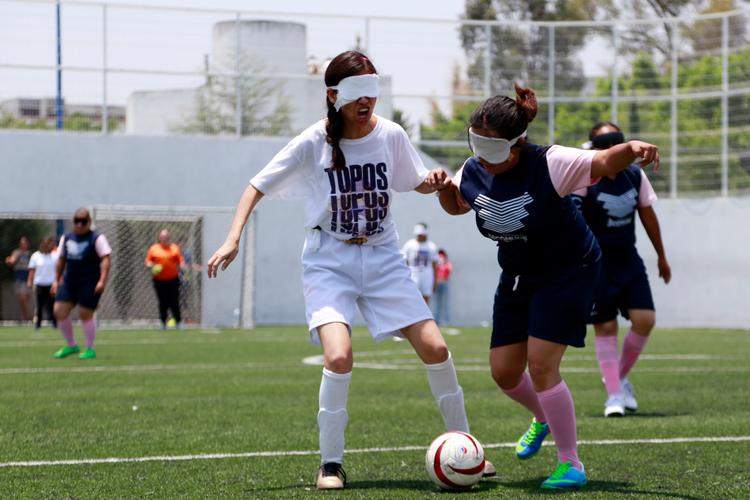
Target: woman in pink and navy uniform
[[550, 261], [609, 208], [347, 166], [81, 275]]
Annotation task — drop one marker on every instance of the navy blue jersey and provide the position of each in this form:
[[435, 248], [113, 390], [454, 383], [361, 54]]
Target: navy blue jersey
[[609, 209], [537, 231], [82, 261]]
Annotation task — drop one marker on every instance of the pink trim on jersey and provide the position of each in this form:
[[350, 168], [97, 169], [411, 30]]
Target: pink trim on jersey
[[570, 168], [101, 245], [646, 195]]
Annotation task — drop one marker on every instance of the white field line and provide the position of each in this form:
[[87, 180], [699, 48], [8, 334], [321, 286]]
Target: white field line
[[140, 368], [258, 454]]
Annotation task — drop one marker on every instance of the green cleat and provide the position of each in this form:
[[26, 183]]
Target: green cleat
[[565, 477], [531, 441], [89, 353], [66, 351]]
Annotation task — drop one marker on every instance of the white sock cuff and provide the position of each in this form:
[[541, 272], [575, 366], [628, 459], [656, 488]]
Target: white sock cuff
[[442, 365], [337, 376]]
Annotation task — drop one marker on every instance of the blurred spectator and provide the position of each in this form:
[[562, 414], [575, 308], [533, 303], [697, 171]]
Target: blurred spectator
[[42, 267], [443, 273], [165, 261], [19, 261], [421, 257], [81, 275]]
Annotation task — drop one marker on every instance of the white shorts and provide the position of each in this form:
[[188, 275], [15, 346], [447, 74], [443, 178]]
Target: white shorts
[[425, 282], [336, 276]]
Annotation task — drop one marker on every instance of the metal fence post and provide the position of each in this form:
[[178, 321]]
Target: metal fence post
[[237, 83], [615, 90], [488, 62], [674, 111], [105, 106], [725, 106], [551, 84]]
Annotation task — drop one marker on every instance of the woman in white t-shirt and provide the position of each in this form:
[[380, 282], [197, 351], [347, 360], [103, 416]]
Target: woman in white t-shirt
[[347, 166], [42, 267], [549, 257]]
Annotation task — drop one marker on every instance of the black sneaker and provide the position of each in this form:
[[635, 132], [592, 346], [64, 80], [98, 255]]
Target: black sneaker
[[331, 476]]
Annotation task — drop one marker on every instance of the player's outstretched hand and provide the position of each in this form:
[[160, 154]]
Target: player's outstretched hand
[[222, 257], [437, 180], [648, 153]]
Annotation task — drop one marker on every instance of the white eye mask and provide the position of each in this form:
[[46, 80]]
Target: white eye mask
[[352, 88], [492, 149]]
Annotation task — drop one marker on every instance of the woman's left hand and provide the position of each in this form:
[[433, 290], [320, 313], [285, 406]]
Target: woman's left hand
[[437, 180]]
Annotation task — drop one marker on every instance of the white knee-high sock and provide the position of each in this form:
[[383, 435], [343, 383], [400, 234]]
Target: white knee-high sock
[[332, 416], [448, 394]]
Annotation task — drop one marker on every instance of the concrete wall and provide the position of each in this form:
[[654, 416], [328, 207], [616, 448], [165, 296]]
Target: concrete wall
[[706, 239]]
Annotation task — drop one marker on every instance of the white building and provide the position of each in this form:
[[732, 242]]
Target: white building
[[272, 57]]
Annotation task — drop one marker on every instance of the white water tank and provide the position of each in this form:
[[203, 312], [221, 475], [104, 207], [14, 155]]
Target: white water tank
[[268, 46]]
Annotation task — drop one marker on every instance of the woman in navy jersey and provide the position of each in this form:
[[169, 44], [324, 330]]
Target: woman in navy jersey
[[550, 260], [609, 209]]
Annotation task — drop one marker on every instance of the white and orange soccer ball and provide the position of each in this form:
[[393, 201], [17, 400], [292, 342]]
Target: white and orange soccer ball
[[455, 461]]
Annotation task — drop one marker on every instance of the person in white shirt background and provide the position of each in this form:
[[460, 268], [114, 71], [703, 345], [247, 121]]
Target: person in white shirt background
[[42, 265], [422, 257]]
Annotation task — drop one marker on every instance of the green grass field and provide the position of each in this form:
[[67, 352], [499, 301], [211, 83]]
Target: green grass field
[[172, 399]]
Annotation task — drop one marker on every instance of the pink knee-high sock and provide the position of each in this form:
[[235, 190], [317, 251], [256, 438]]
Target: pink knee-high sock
[[524, 393], [631, 349], [89, 329], [557, 403], [66, 327], [606, 353]]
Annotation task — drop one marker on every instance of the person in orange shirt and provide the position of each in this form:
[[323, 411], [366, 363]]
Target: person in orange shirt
[[164, 259]]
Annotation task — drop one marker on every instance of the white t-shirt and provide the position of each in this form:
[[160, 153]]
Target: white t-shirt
[[420, 256], [44, 267], [353, 201]]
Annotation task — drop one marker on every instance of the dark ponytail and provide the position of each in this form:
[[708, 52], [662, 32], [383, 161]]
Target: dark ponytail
[[506, 116], [349, 63]]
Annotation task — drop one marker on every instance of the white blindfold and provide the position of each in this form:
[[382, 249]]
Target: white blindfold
[[492, 149], [352, 88]]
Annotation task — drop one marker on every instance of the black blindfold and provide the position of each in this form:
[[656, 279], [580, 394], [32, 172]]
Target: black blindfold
[[606, 141]]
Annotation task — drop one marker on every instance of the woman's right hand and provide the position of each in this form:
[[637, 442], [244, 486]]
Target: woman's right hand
[[222, 257]]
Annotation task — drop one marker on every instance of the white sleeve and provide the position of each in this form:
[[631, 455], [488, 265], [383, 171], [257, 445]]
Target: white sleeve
[[646, 195], [33, 259], [569, 168], [283, 176], [408, 171]]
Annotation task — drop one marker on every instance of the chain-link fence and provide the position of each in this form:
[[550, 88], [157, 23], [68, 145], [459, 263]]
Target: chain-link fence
[[131, 231], [682, 83], [129, 297]]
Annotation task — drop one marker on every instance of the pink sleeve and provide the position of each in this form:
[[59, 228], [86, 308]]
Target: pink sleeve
[[646, 195], [102, 246], [569, 168]]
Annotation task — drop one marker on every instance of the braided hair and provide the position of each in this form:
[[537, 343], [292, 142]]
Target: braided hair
[[349, 63]]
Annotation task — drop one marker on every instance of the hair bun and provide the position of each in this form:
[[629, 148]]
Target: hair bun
[[526, 99]]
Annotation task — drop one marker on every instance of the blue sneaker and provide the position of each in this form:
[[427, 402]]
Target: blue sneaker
[[531, 441], [565, 477]]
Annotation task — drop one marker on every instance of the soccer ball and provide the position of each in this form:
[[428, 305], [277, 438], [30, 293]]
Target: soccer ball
[[455, 461]]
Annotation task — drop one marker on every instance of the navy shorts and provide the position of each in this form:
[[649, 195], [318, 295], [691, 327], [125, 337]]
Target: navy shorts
[[78, 293], [553, 308], [623, 285]]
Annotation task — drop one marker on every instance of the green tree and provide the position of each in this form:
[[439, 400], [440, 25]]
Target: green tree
[[217, 100]]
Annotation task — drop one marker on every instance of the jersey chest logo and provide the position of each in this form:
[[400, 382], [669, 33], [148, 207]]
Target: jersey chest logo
[[75, 249], [505, 216], [619, 208]]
